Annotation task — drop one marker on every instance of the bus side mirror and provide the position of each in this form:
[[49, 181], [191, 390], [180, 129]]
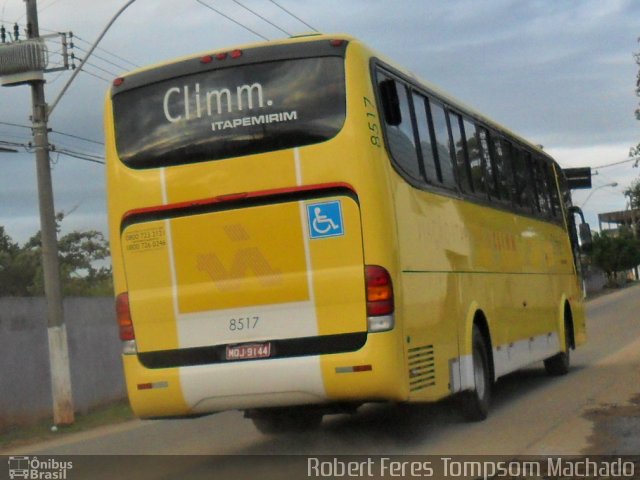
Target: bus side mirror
[[584, 230], [390, 102], [585, 235]]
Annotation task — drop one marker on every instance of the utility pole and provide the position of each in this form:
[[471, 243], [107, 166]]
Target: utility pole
[[63, 411], [25, 62]]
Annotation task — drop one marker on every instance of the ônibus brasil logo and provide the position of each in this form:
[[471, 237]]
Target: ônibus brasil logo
[[35, 469]]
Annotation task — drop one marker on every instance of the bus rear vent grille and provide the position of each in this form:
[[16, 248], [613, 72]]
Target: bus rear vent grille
[[422, 370]]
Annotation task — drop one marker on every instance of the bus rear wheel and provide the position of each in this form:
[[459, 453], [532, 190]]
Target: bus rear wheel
[[283, 420], [475, 403]]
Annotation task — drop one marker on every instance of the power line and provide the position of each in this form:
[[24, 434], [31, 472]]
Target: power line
[[607, 165], [28, 147], [231, 19], [76, 37], [15, 125], [81, 156], [294, 16], [263, 18], [77, 137], [50, 4], [135, 65], [98, 67], [103, 59], [84, 70]]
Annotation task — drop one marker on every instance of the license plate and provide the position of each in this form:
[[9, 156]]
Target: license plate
[[248, 351]]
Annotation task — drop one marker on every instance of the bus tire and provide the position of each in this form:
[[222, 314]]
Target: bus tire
[[475, 403], [560, 363], [278, 422]]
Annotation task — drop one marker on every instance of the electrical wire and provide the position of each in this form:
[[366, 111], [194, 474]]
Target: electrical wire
[[294, 16], [61, 151], [232, 20], [84, 70], [607, 165], [50, 4], [81, 156], [261, 17], [97, 67], [102, 58], [86, 42], [77, 137], [70, 135], [135, 65]]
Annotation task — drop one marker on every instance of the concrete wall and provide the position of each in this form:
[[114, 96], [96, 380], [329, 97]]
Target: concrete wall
[[94, 350]]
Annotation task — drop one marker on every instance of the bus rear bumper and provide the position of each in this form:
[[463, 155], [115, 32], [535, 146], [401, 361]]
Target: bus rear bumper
[[370, 373]]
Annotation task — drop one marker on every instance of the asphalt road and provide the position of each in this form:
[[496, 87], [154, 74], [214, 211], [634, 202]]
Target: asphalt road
[[532, 414]]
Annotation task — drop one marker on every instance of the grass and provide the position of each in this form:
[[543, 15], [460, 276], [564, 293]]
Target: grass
[[25, 435]]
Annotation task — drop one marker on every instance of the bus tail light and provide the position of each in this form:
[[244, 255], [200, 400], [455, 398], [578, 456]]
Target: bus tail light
[[125, 324], [380, 302]]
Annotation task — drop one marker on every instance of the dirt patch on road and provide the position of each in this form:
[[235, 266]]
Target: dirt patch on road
[[616, 431], [616, 428]]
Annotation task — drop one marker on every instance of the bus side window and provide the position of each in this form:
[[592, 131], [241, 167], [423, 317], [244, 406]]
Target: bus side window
[[475, 160], [489, 162], [534, 200], [504, 170], [522, 172], [553, 190], [462, 165], [442, 144], [542, 187], [390, 101], [424, 138], [399, 126]]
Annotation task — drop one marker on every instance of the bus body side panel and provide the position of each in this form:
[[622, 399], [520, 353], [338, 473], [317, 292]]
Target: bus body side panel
[[459, 258], [430, 240]]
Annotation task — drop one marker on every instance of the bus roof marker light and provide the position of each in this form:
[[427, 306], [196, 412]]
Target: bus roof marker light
[[236, 54], [118, 81], [206, 59], [336, 42], [222, 56]]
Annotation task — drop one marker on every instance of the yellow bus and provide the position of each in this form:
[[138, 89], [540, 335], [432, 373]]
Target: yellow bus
[[299, 227]]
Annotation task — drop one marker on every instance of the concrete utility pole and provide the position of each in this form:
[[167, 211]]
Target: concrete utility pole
[[63, 411]]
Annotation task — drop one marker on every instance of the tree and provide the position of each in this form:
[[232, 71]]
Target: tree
[[15, 268], [615, 253], [635, 151], [633, 193], [84, 268]]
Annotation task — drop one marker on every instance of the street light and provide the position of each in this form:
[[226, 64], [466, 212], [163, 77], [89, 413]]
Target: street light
[[612, 184], [86, 57]]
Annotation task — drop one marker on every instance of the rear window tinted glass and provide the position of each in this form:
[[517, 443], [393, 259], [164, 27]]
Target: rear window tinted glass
[[231, 112]]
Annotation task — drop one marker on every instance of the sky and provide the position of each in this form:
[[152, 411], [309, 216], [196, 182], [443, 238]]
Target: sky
[[560, 73]]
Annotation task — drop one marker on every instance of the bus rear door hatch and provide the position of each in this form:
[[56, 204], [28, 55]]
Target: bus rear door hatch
[[244, 273]]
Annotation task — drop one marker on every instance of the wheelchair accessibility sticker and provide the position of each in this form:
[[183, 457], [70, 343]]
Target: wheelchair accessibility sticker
[[325, 219]]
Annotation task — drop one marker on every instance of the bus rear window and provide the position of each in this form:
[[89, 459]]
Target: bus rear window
[[230, 112]]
